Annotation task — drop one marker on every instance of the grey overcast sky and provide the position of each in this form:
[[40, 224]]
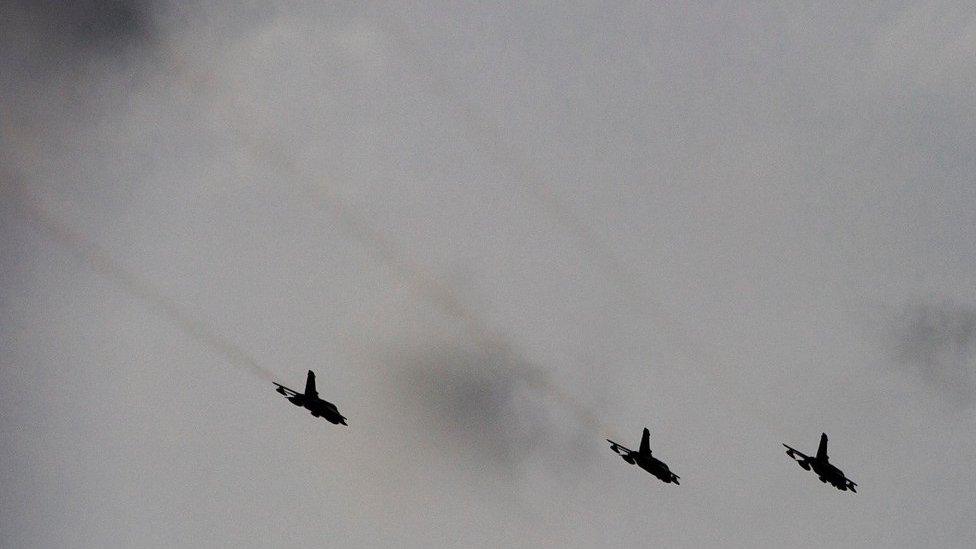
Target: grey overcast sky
[[498, 232]]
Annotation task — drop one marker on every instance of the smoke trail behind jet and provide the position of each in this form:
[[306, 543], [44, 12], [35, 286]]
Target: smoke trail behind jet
[[487, 136], [426, 285], [423, 282], [36, 216]]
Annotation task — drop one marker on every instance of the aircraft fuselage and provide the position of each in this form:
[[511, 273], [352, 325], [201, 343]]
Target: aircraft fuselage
[[829, 473], [655, 467], [319, 408]]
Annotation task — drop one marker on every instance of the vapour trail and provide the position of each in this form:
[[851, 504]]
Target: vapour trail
[[427, 286], [29, 208], [487, 136], [424, 283]]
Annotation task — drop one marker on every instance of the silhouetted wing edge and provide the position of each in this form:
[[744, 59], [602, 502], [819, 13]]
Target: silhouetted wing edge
[[790, 451], [282, 389], [616, 447]]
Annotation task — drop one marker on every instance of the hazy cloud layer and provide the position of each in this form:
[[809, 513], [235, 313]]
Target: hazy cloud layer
[[496, 233]]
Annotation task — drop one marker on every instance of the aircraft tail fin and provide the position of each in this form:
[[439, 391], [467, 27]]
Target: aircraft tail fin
[[310, 385], [822, 449], [645, 445]]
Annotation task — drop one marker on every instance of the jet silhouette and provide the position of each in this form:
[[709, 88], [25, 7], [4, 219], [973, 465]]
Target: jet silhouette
[[644, 460], [310, 401], [822, 467]]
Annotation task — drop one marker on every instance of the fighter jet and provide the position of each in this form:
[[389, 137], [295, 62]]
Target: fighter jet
[[820, 465], [644, 460], [310, 401]]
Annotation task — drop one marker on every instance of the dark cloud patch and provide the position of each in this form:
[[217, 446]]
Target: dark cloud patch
[[937, 341], [483, 401], [51, 32], [471, 395]]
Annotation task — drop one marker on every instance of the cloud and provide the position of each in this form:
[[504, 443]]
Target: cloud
[[937, 341], [302, 180], [57, 30], [484, 401]]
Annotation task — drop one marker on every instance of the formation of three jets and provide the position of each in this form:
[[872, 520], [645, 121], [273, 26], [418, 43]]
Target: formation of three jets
[[642, 457]]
